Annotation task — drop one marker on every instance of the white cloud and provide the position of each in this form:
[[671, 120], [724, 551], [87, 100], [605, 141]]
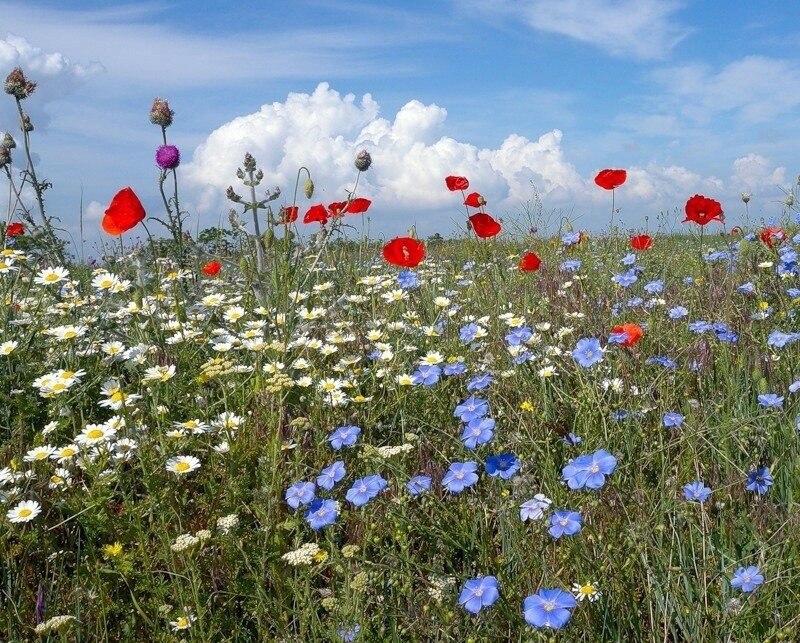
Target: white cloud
[[754, 172], [94, 211], [411, 156], [55, 74], [755, 89], [644, 29]]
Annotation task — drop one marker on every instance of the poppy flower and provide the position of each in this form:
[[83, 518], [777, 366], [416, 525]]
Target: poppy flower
[[316, 214], [475, 200], [288, 214], [336, 209], [124, 213], [633, 333], [358, 206], [456, 183], [530, 262], [736, 230], [15, 229], [212, 268], [484, 225], [703, 210], [404, 251], [641, 242], [610, 179], [772, 234]]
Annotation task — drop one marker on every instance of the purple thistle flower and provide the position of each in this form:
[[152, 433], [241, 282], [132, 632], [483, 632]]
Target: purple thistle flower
[[168, 157]]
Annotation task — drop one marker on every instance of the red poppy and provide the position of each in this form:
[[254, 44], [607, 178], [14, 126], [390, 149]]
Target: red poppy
[[124, 213], [358, 206], [289, 215], [15, 229], [336, 209], [641, 242], [475, 200], [610, 179], [772, 234], [316, 214], [634, 333], [484, 225], [404, 251], [456, 183], [702, 210], [736, 230], [530, 262], [212, 268]]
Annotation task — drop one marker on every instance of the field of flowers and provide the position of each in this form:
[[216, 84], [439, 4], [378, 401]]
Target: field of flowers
[[571, 437]]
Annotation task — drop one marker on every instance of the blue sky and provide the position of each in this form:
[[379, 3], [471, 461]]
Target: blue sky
[[511, 93]]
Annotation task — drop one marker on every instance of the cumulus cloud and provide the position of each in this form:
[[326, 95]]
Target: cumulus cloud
[[644, 29], [55, 73], [411, 155], [755, 173]]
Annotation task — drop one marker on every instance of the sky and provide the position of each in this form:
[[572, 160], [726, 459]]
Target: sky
[[528, 99]]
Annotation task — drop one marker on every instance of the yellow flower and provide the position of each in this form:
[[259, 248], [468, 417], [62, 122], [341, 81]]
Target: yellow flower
[[112, 551], [321, 556], [527, 405]]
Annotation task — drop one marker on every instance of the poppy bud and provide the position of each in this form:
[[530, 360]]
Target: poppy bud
[[308, 188], [8, 141], [17, 85], [160, 113], [790, 200], [5, 156], [269, 238], [746, 197], [363, 161]]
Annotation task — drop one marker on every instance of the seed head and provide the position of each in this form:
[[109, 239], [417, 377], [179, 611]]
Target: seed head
[[160, 113], [17, 85], [8, 141], [5, 156], [363, 161]]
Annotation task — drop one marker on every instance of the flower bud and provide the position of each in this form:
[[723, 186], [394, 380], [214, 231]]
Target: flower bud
[[363, 161], [249, 163], [26, 123], [790, 200], [5, 156], [232, 195], [8, 141], [17, 85], [746, 197], [168, 157], [160, 113], [308, 188]]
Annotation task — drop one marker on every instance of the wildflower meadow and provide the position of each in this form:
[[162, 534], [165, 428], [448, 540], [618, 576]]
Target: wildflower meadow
[[282, 430]]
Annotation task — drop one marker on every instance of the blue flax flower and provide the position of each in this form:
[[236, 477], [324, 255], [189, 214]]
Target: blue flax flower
[[587, 352], [365, 489], [407, 279], [478, 593], [549, 608], [426, 375], [455, 368], [696, 491], [478, 431], [770, 401], [322, 513], [589, 470], [565, 523], [673, 420], [344, 436], [534, 508], [471, 408], [504, 465], [300, 493], [330, 475], [459, 476], [349, 634], [419, 484], [759, 480], [747, 579], [480, 382]]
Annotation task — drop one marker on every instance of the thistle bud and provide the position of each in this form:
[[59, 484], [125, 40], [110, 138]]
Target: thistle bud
[[746, 197], [8, 141], [5, 156], [232, 195], [17, 85], [363, 161], [26, 123], [308, 188], [160, 113]]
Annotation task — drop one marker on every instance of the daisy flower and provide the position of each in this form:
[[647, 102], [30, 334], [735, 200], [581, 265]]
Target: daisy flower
[[181, 464]]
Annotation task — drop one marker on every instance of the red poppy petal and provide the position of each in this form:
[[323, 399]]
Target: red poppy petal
[[316, 214], [456, 183], [124, 213], [358, 206], [530, 262], [474, 200], [404, 251], [484, 225], [610, 179]]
